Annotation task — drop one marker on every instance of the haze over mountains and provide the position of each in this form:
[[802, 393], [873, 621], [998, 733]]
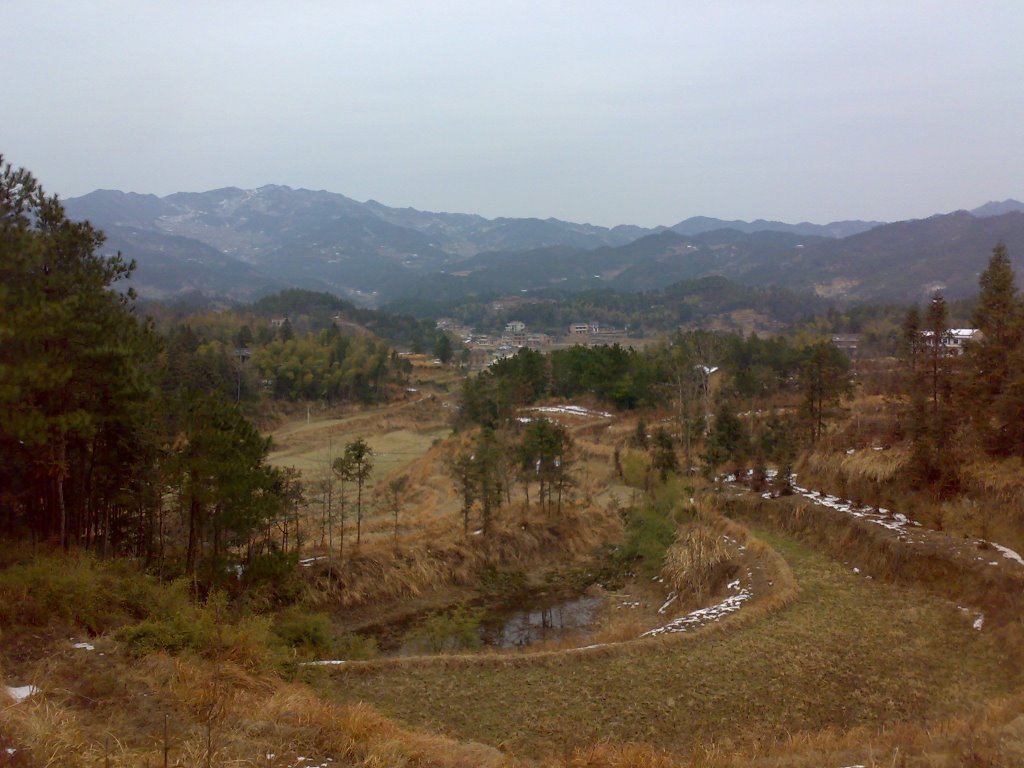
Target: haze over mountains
[[238, 244]]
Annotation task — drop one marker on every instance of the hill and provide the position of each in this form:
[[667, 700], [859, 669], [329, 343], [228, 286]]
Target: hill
[[903, 261], [242, 243]]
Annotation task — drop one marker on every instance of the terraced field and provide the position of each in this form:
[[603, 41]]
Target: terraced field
[[849, 651]]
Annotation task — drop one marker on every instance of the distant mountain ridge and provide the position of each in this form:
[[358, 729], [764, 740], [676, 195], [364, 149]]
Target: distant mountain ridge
[[993, 208], [699, 224], [902, 261], [242, 243]]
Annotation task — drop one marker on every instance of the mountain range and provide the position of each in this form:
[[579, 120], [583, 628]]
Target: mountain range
[[239, 244]]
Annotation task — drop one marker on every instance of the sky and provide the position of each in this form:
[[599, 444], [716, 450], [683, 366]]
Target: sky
[[602, 112]]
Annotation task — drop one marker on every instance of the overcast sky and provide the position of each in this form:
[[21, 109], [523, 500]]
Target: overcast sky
[[604, 112]]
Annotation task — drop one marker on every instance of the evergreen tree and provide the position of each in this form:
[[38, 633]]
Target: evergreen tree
[[487, 458], [727, 440], [356, 465], [227, 490], [546, 453], [462, 470], [998, 317], [663, 454], [911, 340], [443, 348], [823, 382], [70, 351], [936, 355]]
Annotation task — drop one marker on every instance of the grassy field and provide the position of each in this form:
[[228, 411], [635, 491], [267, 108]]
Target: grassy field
[[398, 434], [848, 652]]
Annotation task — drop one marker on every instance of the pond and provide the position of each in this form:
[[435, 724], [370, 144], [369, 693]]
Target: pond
[[517, 628], [535, 617]]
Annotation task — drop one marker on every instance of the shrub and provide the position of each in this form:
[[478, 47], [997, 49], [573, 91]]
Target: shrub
[[502, 584], [299, 629], [634, 469], [201, 629], [271, 567], [651, 528], [455, 630], [76, 589], [355, 647]]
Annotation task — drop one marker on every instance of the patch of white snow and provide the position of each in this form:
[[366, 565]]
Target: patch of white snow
[[21, 692], [671, 599]]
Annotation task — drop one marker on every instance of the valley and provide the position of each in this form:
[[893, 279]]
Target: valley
[[688, 522]]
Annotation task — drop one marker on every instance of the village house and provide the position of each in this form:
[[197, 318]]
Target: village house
[[847, 342], [515, 334], [955, 339]]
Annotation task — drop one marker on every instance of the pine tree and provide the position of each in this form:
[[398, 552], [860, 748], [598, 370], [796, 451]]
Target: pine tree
[[356, 465], [998, 317], [936, 355], [823, 382], [69, 352], [727, 440], [663, 454]]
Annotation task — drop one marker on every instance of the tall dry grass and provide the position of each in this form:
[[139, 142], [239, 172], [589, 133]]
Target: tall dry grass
[[698, 562], [247, 717], [441, 556]]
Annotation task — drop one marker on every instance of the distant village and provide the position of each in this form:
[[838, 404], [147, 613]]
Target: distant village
[[484, 349]]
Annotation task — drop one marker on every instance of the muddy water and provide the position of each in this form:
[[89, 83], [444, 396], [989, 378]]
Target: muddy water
[[521, 627], [534, 618]]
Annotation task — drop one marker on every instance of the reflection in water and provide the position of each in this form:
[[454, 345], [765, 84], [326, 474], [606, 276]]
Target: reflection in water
[[519, 628]]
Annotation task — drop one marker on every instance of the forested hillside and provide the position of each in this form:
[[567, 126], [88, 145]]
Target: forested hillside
[[105, 417]]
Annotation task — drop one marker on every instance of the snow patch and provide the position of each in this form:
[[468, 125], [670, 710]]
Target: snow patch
[[85, 646], [703, 616], [1008, 553], [571, 410], [671, 599], [979, 622], [21, 692], [324, 663]]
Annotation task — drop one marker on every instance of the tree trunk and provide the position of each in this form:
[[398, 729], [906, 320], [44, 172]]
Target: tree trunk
[[195, 512]]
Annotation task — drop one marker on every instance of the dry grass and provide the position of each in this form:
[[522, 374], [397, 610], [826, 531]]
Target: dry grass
[[251, 717], [441, 556], [698, 562], [847, 652]]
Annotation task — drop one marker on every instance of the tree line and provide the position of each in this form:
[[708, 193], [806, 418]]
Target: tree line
[[729, 398], [959, 406], [124, 439]]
